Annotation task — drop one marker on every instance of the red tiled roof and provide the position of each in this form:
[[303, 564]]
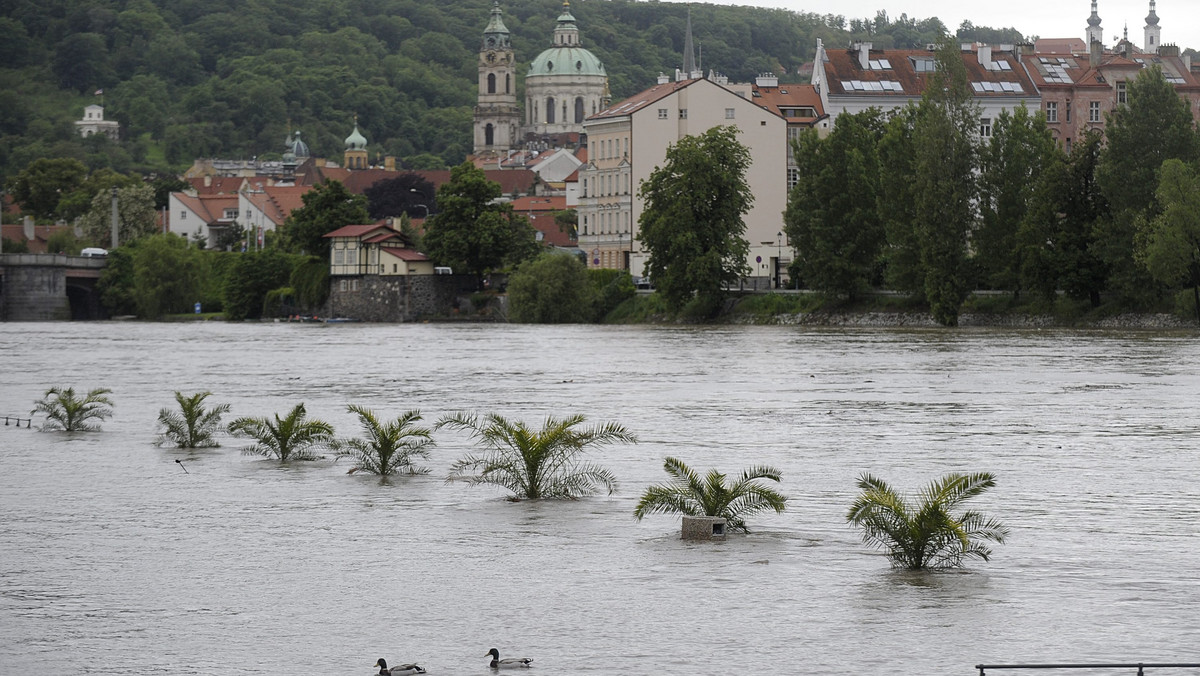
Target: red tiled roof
[[41, 233], [846, 74], [641, 100], [357, 230], [278, 201], [783, 96], [1060, 46], [210, 208], [217, 185], [540, 212]]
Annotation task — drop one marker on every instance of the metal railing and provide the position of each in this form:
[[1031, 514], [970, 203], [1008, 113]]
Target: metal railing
[[1140, 666], [8, 419]]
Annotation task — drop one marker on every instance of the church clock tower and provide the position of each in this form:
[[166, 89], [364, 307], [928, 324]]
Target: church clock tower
[[497, 115]]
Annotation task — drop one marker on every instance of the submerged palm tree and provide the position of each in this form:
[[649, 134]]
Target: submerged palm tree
[[68, 412], [689, 494], [927, 534], [293, 437], [192, 426], [535, 464], [387, 449]]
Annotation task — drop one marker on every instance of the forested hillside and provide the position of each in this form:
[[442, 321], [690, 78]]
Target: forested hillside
[[192, 78]]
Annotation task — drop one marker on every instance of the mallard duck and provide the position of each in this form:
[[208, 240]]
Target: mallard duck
[[498, 663], [398, 670]]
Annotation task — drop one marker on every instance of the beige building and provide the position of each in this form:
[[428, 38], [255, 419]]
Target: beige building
[[375, 249], [628, 141]]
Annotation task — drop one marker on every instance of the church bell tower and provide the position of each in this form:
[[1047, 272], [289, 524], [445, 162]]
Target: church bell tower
[[497, 115]]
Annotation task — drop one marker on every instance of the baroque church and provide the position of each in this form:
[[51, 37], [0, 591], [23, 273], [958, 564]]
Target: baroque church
[[563, 85]]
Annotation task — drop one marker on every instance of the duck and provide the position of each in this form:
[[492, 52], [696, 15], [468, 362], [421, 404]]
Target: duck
[[398, 670], [508, 663]]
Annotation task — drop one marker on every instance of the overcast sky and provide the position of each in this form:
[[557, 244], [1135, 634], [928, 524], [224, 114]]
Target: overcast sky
[[1179, 19]]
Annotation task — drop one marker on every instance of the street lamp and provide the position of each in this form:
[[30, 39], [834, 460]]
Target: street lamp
[[422, 194], [778, 258]]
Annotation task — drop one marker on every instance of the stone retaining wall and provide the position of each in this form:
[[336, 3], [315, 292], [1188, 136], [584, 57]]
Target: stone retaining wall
[[397, 299]]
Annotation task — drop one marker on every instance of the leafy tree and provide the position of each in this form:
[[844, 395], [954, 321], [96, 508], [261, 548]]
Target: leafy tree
[[389, 448], [408, 194], [166, 276], [69, 412], [610, 288], [471, 231], [690, 494], [832, 218], [135, 215], [691, 225], [310, 279], [81, 62], [116, 284], [103, 180], [230, 237], [192, 426], [327, 207], [14, 246], [250, 277], [897, 204], [64, 241], [1170, 248], [1154, 126], [40, 186], [926, 534], [1012, 163], [550, 289], [944, 183], [535, 464], [293, 437]]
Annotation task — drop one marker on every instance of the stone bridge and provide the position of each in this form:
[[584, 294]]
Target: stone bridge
[[47, 287]]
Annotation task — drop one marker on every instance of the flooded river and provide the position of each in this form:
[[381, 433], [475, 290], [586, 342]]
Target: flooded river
[[114, 561]]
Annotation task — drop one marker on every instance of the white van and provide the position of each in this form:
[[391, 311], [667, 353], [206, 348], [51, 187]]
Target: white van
[[442, 271], [93, 252]]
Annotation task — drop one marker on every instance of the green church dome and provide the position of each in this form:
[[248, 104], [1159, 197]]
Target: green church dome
[[566, 61]]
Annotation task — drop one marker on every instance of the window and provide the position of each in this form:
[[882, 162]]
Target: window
[[1121, 98], [985, 127], [1094, 111], [344, 285], [793, 177], [351, 256], [683, 113], [354, 285], [182, 215], [1068, 146], [339, 258], [491, 83], [662, 113], [729, 113], [1067, 110], [923, 65], [1052, 111]]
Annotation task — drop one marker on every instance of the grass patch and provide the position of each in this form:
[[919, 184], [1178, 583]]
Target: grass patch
[[643, 308], [765, 306]]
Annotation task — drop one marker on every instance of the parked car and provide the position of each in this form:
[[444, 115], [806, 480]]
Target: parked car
[[93, 252]]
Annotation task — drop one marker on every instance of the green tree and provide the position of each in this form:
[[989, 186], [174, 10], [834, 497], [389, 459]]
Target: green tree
[[193, 425], [832, 218], [407, 193], [248, 280], [39, 187], [81, 62], [116, 284], [166, 276], [69, 412], [610, 288], [926, 534], [135, 215], [310, 279], [897, 202], [1170, 247], [387, 448], [944, 182], [1155, 125], [1012, 163], [550, 289], [691, 225], [689, 493], [327, 207], [293, 437], [535, 464], [472, 232]]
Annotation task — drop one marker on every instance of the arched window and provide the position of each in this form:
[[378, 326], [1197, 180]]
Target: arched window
[[507, 83], [549, 110], [578, 109], [489, 135], [491, 83]]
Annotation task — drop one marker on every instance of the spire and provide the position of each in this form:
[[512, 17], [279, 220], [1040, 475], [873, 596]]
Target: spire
[[1152, 19], [1094, 19], [689, 52], [566, 33], [496, 34]]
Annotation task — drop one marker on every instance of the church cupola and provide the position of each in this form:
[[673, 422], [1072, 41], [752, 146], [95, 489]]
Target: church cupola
[[356, 149], [496, 35], [1094, 32], [1153, 34], [566, 33], [497, 113]]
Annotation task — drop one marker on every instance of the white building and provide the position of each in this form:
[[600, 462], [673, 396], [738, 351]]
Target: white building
[[93, 122]]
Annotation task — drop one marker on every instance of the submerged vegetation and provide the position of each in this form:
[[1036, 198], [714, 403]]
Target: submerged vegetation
[[192, 426], [387, 448], [70, 412], [292, 437], [689, 493]]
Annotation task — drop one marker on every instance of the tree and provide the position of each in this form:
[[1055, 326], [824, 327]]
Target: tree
[[327, 207], [192, 426], [832, 218], [389, 448], [408, 193], [81, 62], [471, 231], [252, 275], [69, 412], [135, 215], [896, 204], [691, 225], [535, 464], [550, 289], [690, 494], [1170, 247], [1154, 126], [166, 276], [293, 437], [40, 186], [944, 184], [1021, 149], [116, 284], [927, 534]]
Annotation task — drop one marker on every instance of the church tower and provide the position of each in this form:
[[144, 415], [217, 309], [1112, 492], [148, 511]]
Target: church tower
[[497, 114], [565, 83], [356, 149], [1153, 31], [1094, 32]]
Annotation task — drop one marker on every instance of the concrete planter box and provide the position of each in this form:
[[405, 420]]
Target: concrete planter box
[[703, 528]]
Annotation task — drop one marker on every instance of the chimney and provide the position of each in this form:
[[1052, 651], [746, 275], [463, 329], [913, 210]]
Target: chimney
[[663, 78], [985, 57], [208, 180], [864, 54], [389, 162], [1097, 50], [766, 80], [27, 228]]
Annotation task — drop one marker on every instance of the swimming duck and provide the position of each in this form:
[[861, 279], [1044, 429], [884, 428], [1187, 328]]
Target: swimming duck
[[508, 663], [398, 670]]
